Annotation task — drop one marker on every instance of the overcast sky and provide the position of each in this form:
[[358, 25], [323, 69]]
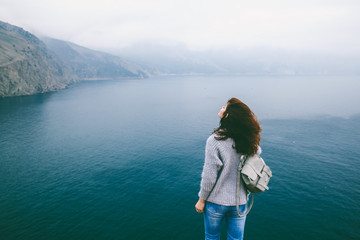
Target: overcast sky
[[322, 25]]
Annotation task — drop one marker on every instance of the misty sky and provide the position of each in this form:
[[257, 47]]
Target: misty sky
[[321, 25]]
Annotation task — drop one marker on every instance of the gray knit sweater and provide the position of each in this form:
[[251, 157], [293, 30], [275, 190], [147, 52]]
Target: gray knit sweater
[[219, 175]]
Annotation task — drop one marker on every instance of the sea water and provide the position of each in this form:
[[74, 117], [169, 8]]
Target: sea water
[[123, 159]]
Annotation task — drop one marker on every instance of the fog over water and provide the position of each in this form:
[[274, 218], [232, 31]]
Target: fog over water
[[273, 97], [292, 97], [260, 37]]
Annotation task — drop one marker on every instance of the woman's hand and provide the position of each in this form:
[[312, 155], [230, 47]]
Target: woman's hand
[[200, 205]]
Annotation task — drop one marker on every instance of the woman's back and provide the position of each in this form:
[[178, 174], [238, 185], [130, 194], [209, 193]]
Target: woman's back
[[220, 154]]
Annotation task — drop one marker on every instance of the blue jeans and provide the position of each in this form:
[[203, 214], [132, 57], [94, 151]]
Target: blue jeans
[[214, 215]]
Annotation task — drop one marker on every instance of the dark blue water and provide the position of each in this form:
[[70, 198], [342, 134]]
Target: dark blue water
[[122, 159]]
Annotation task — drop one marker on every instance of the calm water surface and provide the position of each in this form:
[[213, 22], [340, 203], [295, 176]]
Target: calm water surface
[[122, 159]]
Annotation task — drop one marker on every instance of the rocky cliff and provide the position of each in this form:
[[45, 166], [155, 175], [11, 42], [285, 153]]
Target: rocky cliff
[[27, 66]]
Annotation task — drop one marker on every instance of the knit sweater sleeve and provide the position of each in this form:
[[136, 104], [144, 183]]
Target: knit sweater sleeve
[[211, 169]]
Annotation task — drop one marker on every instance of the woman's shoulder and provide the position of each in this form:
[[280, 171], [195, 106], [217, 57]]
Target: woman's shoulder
[[212, 144], [213, 140]]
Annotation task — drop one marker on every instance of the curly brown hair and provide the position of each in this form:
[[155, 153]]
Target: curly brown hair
[[240, 124]]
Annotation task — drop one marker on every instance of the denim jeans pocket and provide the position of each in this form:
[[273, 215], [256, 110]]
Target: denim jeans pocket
[[213, 208]]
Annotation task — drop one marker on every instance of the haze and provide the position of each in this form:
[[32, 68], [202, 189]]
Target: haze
[[322, 26]]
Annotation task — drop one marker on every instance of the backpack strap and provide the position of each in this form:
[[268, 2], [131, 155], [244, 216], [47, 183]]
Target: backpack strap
[[238, 181]]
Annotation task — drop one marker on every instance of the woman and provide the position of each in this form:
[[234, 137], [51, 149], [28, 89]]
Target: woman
[[238, 134]]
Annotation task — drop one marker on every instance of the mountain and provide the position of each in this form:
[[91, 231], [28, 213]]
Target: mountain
[[178, 59], [89, 64], [174, 59], [27, 66]]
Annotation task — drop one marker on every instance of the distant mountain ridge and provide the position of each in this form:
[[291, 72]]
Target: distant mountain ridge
[[178, 59], [89, 64]]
